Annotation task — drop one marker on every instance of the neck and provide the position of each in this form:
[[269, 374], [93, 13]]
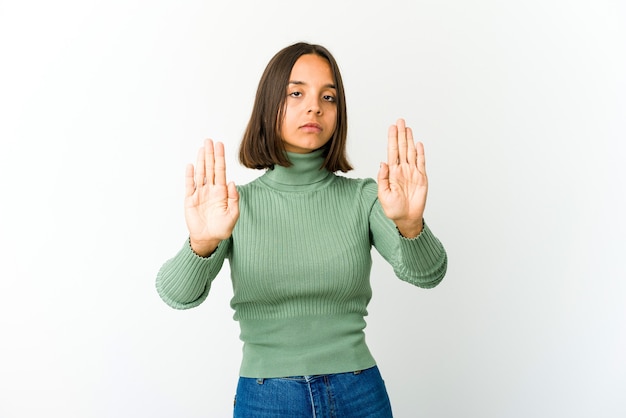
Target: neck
[[306, 172]]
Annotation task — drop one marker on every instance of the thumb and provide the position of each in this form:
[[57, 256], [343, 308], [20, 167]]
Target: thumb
[[233, 195], [383, 177]]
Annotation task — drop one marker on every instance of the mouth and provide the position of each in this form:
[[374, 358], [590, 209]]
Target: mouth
[[311, 127]]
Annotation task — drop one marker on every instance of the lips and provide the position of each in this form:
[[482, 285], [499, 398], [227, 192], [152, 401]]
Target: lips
[[311, 127]]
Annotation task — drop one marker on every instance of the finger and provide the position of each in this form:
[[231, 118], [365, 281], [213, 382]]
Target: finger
[[402, 147], [392, 145], [411, 151], [421, 158], [190, 185], [200, 168], [220, 164], [209, 158]]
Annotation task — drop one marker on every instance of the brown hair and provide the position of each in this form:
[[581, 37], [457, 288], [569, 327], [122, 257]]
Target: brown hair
[[262, 145]]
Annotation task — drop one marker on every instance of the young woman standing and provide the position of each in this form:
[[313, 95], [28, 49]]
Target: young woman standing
[[298, 240]]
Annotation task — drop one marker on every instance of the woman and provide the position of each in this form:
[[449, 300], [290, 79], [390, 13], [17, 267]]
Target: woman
[[298, 241]]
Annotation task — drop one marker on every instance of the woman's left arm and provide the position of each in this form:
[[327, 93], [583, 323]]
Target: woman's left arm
[[417, 256]]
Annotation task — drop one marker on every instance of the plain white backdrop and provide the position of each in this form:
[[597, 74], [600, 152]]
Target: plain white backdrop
[[522, 109]]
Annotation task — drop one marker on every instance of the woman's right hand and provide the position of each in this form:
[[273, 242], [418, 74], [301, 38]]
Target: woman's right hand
[[211, 205]]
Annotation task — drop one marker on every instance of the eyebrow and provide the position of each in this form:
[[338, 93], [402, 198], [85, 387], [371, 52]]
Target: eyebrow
[[299, 83]]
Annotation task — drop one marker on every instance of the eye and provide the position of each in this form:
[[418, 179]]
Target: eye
[[329, 98], [295, 94]]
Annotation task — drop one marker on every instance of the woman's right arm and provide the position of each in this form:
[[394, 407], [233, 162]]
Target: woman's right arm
[[184, 281], [211, 212]]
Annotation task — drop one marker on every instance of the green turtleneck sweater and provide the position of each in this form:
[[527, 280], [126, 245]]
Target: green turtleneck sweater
[[300, 266]]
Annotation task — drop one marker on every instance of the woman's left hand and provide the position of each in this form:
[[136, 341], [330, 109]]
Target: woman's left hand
[[402, 181]]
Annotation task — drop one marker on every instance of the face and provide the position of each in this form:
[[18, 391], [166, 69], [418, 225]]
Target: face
[[310, 114]]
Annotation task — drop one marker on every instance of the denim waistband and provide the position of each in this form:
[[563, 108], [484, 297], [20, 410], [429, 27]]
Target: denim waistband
[[260, 381]]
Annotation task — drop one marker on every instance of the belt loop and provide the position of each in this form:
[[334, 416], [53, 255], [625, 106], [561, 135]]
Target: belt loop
[[357, 372], [260, 381]]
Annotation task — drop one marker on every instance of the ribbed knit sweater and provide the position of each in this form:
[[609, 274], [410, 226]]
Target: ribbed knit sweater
[[300, 261]]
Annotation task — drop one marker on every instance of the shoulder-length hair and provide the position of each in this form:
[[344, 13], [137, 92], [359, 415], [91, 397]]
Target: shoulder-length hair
[[262, 146]]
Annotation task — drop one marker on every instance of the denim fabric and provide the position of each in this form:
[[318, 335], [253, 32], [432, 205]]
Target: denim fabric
[[359, 394]]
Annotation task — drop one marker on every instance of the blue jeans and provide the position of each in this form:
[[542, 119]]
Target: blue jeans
[[359, 394]]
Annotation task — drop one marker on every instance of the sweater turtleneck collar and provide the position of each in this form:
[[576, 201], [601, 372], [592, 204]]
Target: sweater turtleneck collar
[[304, 174]]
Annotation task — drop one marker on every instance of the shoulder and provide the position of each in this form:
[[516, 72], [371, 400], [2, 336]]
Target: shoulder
[[365, 189], [252, 184], [357, 183]]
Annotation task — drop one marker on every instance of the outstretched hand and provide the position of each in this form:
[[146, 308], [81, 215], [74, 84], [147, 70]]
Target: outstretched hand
[[211, 205], [402, 181]]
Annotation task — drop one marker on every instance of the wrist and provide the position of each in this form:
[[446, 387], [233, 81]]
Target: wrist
[[203, 248], [410, 228]]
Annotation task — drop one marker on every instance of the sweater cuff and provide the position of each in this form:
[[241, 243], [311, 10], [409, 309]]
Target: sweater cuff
[[423, 252]]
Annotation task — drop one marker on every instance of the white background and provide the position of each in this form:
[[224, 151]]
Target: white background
[[522, 109]]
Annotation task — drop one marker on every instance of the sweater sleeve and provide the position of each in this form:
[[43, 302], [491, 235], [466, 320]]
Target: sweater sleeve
[[184, 281], [421, 261]]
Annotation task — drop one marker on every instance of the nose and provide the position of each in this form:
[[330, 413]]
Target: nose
[[315, 107]]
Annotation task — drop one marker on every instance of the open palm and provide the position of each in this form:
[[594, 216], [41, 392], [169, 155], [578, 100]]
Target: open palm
[[211, 205], [402, 181]]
